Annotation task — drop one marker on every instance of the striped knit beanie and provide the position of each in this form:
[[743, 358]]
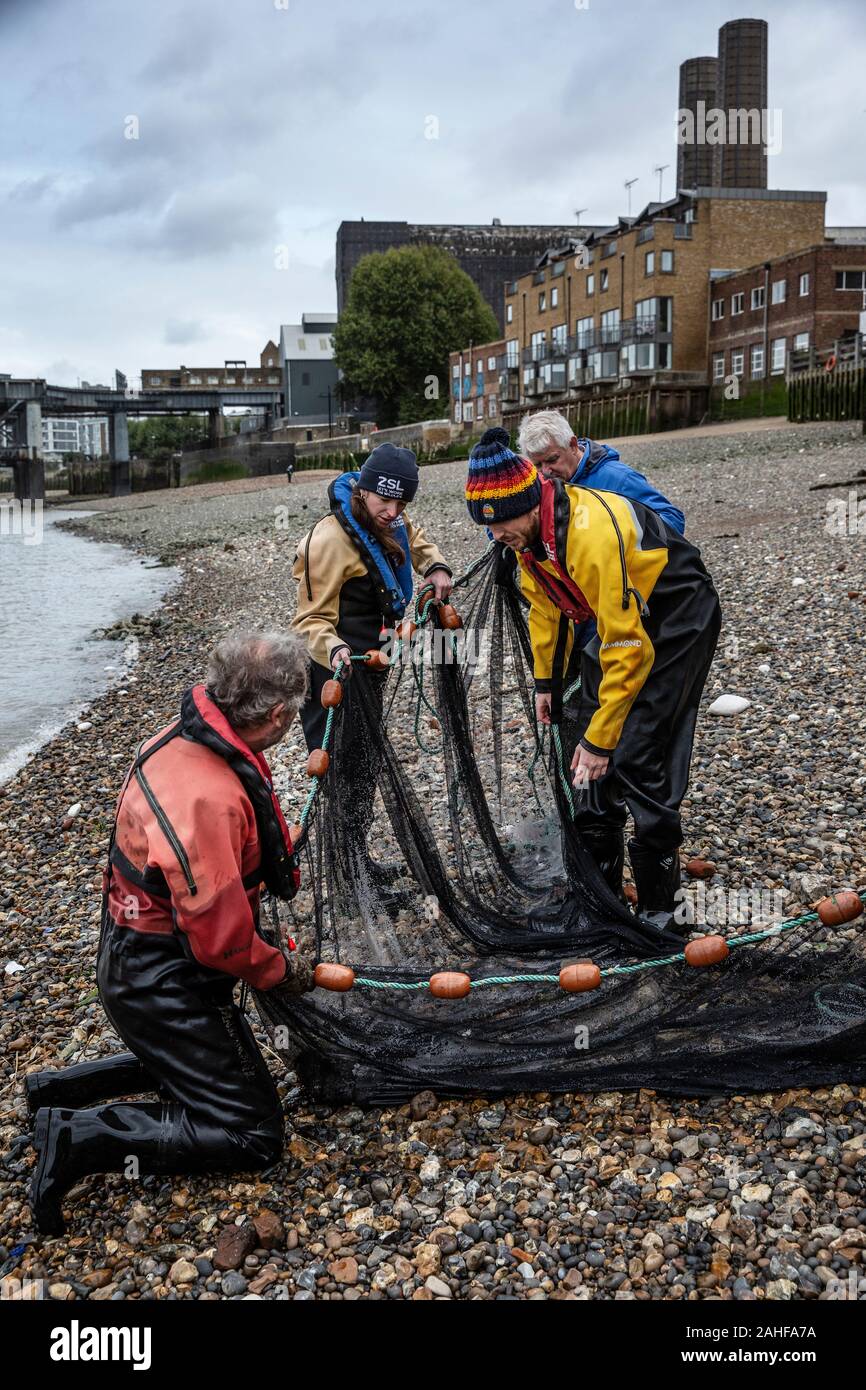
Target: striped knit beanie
[[501, 484]]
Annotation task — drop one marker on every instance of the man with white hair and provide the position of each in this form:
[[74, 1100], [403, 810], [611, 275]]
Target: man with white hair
[[548, 440], [198, 831]]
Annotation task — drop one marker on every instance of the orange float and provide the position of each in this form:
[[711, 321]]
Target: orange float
[[332, 694], [328, 975], [450, 984], [406, 630], [579, 977], [840, 907], [318, 762], [449, 617], [706, 950], [377, 660]]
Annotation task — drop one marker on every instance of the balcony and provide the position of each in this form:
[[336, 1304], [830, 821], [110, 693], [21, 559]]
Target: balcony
[[536, 352], [682, 231]]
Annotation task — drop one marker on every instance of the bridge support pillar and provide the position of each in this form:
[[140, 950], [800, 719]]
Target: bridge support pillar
[[118, 450], [30, 471], [215, 427]]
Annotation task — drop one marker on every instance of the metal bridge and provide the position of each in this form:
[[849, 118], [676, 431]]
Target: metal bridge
[[23, 402]]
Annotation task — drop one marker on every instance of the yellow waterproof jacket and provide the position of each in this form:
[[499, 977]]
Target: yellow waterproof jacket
[[615, 552]]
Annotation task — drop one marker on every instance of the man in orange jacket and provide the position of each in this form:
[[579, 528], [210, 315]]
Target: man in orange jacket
[[198, 831]]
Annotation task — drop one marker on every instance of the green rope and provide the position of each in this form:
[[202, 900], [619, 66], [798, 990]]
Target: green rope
[[610, 970]]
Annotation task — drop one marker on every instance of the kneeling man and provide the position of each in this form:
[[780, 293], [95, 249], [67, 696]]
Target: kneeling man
[[198, 830]]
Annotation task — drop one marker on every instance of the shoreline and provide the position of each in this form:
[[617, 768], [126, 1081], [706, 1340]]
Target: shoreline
[[774, 800]]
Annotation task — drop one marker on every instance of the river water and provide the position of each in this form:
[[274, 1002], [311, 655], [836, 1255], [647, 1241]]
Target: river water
[[57, 590]]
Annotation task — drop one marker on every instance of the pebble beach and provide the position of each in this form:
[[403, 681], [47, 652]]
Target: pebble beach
[[625, 1196]]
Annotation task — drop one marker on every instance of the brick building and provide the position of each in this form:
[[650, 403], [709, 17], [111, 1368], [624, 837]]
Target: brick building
[[799, 309], [637, 305], [234, 373], [474, 377]]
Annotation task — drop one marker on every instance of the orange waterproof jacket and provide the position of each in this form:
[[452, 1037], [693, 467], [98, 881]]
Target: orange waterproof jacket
[[197, 830]]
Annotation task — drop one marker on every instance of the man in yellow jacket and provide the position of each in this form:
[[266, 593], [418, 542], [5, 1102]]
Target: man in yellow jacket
[[582, 553]]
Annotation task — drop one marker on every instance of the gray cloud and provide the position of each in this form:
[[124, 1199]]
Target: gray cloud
[[261, 127]]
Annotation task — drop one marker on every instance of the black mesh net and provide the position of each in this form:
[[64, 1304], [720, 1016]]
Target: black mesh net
[[441, 839]]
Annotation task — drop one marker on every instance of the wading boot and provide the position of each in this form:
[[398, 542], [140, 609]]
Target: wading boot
[[606, 844], [88, 1083], [656, 879], [142, 1137]]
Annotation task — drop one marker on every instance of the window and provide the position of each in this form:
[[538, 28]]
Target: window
[[324, 344], [554, 296], [528, 375], [777, 357], [479, 408], [512, 352], [457, 413], [737, 361], [156, 381], [779, 292], [195, 381], [664, 355], [539, 341], [604, 281], [509, 313], [667, 263], [757, 362], [649, 263], [590, 284], [804, 284], [757, 301], [213, 381], [610, 326], [455, 370], [274, 379], [468, 413], [491, 364], [801, 342], [737, 301], [718, 309], [584, 332], [718, 366], [558, 336], [491, 406], [542, 301], [851, 279], [229, 381], [302, 345]]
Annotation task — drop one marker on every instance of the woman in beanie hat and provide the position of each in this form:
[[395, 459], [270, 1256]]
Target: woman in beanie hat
[[583, 553], [354, 571]]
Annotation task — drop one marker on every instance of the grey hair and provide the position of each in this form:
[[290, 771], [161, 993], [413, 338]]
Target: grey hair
[[250, 671], [542, 428]]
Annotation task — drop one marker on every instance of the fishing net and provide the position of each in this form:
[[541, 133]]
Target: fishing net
[[441, 839]]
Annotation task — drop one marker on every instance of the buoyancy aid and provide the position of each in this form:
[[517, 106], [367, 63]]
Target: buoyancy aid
[[393, 583], [555, 517]]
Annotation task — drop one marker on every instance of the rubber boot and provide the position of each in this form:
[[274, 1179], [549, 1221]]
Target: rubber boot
[[161, 1138], [656, 879], [606, 844], [88, 1083]]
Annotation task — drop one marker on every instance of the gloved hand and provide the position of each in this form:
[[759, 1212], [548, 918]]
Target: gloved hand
[[298, 978]]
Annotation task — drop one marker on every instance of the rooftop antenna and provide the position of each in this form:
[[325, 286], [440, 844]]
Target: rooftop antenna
[[659, 169], [628, 185]]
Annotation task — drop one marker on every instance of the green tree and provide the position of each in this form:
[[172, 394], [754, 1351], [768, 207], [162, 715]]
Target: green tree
[[407, 309]]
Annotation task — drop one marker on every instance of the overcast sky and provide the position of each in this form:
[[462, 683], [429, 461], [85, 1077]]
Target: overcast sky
[[261, 124]]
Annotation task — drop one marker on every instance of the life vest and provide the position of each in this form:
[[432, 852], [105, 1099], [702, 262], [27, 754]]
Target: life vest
[[393, 583], [555, 519]]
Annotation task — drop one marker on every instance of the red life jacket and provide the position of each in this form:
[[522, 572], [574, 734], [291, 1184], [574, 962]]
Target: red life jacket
[[555, 518]]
